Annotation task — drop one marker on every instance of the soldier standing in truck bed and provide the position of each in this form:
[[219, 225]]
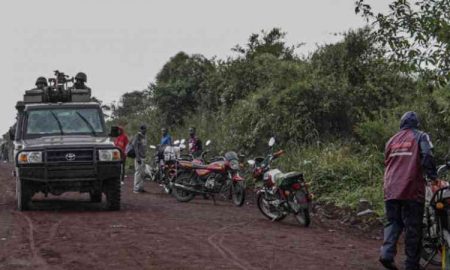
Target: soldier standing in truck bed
[[80, 80], [41, 83], [41, 88]]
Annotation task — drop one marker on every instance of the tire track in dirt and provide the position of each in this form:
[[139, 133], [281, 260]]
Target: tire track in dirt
[[37, 259], [226, 252], [54, 230], [35, 248]]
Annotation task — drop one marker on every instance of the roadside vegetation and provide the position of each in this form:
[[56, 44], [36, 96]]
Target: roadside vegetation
[[332, 111]]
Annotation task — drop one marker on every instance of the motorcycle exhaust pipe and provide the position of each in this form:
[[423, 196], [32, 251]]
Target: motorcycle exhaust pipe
[[193, 190]]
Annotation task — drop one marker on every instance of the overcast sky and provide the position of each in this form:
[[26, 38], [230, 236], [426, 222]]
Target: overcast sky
[[121, 45]]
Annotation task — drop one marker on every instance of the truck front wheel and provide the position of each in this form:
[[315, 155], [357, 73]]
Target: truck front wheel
[[112, 192], [24, 194]]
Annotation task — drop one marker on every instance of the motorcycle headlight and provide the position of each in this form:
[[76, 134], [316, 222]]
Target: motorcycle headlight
[[109, 155], [30, 157], [234, 165]]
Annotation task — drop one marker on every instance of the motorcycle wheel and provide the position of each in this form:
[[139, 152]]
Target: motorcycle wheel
[[167, 186], [302, 215], [238, 193], [428, 248], [180, 194], [269, 211]]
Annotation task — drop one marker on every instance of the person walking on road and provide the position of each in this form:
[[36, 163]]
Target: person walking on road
[[140, 148], [121, 142], [408, 156]]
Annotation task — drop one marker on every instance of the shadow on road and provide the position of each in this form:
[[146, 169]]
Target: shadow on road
[[66, 205]]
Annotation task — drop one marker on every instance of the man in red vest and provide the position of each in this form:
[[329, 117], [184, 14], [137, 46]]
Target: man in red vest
[[408, 157], [121, 142]]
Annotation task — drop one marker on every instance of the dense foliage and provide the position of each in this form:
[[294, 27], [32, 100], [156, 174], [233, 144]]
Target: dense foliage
[[417, 33], [332, 111]]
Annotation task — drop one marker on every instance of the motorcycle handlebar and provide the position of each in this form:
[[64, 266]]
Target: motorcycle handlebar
[[278, 153], [203, 154]]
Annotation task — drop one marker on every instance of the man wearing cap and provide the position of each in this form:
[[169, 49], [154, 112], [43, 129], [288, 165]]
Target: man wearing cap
[[408, 157], [140, 148]]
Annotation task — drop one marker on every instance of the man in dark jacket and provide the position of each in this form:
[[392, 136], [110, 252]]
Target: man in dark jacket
[[408, 156], [140, 148]]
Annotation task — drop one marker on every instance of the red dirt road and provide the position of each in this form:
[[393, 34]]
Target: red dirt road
[[154, 231]]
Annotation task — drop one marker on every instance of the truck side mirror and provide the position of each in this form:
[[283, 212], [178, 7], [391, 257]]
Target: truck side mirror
[[114, 132]]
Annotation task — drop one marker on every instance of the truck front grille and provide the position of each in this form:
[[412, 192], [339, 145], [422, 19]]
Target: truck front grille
[[70, 155]]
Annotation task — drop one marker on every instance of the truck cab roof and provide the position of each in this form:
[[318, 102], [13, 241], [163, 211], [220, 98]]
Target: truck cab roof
[[62, 105]]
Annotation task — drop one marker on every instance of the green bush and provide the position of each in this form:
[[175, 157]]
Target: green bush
[[333, 111]]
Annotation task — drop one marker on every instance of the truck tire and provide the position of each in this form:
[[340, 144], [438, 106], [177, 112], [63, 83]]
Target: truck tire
[[112, 192], [24, 195], [95, 196]]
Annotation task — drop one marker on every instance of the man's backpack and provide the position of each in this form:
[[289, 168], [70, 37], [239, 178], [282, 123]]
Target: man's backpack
[[129, 150]]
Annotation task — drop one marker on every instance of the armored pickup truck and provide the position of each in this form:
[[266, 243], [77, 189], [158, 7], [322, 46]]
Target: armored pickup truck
[[64, 147]]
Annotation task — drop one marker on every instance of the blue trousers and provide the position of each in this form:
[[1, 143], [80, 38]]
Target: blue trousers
[[404, 216]]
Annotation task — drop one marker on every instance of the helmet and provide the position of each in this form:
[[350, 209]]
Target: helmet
[[81, 76], [192, 131], [41, 80]]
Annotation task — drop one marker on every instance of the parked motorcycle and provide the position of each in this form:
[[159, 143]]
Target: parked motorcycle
[[281, 193], [218, 177], [436, 234], [165, 165]]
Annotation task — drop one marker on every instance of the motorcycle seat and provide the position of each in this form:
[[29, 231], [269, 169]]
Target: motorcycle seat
[[199, 166], [291, 175]]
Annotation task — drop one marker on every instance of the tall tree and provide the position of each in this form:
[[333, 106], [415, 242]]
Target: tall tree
[[417, 32], [131, 104], [178, 87], [271, 42]]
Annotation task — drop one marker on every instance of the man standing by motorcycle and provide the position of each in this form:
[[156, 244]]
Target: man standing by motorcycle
[[140, 148], [408, 156], [195, 144], [166, 139]]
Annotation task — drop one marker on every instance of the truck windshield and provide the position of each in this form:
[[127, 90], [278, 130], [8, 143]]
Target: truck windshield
[[68, 121]]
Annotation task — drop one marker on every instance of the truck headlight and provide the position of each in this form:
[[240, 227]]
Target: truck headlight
[[30, 157], [109, 155]]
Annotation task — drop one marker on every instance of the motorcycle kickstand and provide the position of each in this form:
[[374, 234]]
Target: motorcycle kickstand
[[214, 199]]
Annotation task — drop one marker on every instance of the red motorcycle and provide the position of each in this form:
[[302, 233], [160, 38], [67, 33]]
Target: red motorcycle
[[281, 193], [219, 177]]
